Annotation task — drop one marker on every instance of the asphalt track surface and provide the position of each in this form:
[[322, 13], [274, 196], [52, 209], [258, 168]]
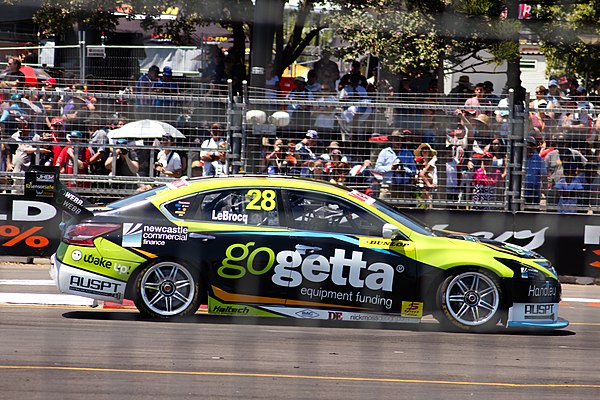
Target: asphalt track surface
[[77, 352]]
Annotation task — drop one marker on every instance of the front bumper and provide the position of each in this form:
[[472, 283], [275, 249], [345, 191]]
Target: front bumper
[[83, 283], [535, 315]]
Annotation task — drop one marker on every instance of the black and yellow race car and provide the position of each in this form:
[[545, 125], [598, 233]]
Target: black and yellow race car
[[288, 247]]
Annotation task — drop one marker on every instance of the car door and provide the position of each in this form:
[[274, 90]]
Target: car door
[[341, 260], [237, 237]]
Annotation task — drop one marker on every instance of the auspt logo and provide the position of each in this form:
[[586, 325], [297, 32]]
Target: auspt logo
[[132, 235], [290, 268]]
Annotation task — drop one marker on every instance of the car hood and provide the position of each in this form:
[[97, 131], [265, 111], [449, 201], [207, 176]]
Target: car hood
[[503, 247]]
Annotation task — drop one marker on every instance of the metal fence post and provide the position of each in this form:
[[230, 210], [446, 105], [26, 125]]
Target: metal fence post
[[235, 109], [82, 56], [516, 150]]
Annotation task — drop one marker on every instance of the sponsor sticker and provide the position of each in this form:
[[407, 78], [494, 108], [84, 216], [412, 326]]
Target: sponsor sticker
[[412, 309], [533, 312], [362, 197], [138, 234], [380, 243]]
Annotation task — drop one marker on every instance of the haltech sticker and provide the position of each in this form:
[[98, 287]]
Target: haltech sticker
[[371, 243], [216, 307], [412, 309]]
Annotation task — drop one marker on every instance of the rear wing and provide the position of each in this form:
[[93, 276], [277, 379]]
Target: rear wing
[[43, 183]]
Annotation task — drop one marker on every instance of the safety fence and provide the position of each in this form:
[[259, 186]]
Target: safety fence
[[452, 156]]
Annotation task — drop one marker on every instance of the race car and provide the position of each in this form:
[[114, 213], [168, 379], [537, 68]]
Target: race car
[[299, 248]]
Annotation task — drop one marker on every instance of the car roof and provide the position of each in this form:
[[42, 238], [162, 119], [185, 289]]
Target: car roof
[[258, 181]]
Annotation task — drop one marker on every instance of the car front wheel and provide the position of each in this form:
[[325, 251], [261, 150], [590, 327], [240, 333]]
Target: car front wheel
[[470, 301], [167, 289]]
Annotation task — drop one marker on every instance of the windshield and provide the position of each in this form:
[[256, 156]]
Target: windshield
[[402, 218], [135, 198]]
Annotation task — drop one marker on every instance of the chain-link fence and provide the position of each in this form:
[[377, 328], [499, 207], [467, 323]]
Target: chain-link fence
[[419, 150]]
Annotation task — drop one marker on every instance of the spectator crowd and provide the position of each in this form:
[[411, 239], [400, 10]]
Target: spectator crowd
[[403, 142]]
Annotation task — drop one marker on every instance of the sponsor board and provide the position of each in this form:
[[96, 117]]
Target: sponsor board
[[533, 312], [28, 227], [138, 235]]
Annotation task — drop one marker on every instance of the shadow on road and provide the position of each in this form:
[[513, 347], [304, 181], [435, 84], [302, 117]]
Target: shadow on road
[[424, 326]]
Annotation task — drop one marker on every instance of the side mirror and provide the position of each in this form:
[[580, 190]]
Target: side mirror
[[390, 231]]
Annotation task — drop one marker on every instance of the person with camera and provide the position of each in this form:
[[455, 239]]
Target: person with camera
[[398, 168], [126, 163], [168, 163]]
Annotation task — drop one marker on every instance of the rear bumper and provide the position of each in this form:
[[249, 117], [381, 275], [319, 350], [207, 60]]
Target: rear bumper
[[79, 282]]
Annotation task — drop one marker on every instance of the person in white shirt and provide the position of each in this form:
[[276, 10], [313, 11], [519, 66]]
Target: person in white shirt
[[210, 147], [169, 162], [355, 113]]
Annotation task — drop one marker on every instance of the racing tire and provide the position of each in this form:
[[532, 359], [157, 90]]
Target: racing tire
[[470, 301], [167, 289]]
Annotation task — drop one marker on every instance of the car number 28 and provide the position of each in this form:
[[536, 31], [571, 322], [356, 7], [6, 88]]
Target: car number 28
[[261, 200]]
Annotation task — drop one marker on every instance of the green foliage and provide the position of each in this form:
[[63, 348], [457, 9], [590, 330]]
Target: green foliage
[[414, 37], [563, 30]]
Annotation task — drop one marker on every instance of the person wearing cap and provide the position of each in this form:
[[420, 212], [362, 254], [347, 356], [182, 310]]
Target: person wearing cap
[[72, 155], [398, 168], [299, 112], [490, 97], [305, 154], [535, 172], [145, 87], [463, 89], [554, 93], [13, 117], [126, 161], [166, 86], [52, 98], [14, 78], [168, 162]]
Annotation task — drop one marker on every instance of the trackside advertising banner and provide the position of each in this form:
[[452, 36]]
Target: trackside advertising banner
[[570, 241], [28, 227]]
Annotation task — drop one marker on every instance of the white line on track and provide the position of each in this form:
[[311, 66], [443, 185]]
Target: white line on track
[[46, 299], [580, 300], [27, 282]]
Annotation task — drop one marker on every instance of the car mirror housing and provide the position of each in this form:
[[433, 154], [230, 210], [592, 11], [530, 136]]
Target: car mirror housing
[[390, 231]]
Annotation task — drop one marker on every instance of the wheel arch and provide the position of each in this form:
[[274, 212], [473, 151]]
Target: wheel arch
[[434, 282], [200, 269]]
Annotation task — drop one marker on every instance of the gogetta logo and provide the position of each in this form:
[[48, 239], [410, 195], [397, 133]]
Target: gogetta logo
[[132, 234], [76, 255]]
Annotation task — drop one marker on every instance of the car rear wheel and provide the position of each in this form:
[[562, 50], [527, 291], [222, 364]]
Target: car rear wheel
[[470, 301], [167, 289]]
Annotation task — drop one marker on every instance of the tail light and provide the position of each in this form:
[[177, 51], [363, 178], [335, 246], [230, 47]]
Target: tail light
[[84, 234]]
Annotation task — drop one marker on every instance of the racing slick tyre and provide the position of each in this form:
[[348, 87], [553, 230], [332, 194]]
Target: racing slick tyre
[[470, 300], [167, 289]]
